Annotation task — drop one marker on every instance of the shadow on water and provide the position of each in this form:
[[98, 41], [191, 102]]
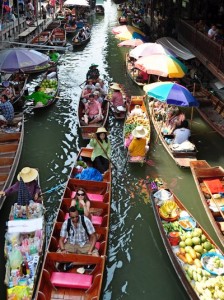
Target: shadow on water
[[137, 264]]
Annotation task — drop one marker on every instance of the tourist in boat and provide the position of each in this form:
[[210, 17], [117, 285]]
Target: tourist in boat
[[138, 146], [39, 98], [101, 150], [6, 110], [74, 237], [29, 177], [142, 77], [81, 36], [117, 99], [98, 97], [93, 73], [103, 87], [93, 111], [87, 91], [82, 202]]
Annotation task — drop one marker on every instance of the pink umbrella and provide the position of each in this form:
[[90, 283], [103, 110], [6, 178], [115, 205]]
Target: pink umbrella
[[147, 49], [131, 43]]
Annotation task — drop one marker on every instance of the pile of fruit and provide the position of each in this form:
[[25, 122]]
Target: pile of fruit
[[169, 209], [49, 85], [133, 121]]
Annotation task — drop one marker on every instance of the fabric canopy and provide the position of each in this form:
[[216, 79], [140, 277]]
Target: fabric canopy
[[175, 47], [76, 3]]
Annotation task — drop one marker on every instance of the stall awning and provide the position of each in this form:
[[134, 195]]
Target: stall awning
[[176, 47], [100, 2]]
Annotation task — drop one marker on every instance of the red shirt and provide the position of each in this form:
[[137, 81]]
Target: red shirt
[[93, 108], [117, 99]]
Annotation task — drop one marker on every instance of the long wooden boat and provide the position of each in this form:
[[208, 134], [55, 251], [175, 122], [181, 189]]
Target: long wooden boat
[[41, 38], [72, 285], [119, 115], [132, 72], [211, 108], [91, 128], [50, 86], [133, 120], [58, 37], [11, 143], [27, 224], [54, 24], [41, 69], [181, 157], [77, 43], [18, 82], [187, 261], [203, 173]]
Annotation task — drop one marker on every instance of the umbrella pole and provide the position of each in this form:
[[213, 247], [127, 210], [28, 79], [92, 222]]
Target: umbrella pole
[[192, 109]]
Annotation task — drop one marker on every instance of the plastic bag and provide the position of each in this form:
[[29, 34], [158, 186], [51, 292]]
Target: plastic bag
[[19, 293], [15, 258], [91, 174]]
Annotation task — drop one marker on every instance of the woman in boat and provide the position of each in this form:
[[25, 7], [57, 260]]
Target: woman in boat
[[138, 146], [117, 100], [101, 150], [82, 203], [39, 98], [29, 177]]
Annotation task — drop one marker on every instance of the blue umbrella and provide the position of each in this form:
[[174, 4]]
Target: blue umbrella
[[171, 93], [20, 59]]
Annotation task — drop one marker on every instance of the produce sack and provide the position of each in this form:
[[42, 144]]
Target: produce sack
[[90, 174], [15, 259]]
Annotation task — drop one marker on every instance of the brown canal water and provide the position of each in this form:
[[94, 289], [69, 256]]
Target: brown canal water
[[138, 266]]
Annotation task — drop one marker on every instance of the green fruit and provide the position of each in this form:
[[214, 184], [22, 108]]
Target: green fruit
[[203, 238], [189, 235], [196, 240], [182, 244], [188, 242], [207, 246], [183, 237], [198, 248], [198, 230]]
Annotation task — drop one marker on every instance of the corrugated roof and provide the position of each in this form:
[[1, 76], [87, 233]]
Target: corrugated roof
[[176, 47]]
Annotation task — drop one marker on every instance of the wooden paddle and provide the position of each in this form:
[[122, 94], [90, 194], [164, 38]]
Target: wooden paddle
[[93, 136], [210, 193]]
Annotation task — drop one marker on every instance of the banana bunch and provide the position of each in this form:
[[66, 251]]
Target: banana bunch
[[168, 209]]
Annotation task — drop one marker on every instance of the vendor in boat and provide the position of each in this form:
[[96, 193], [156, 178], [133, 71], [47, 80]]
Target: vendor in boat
[[6, 110], [29, 177], [182, 133], [82, 202], [54, 56], [93, 73], [9, 90], [174, 119], [39, 98], [117, 99], [101, 150], [74, 238], [143, 77], [138, 146], [93, 111]]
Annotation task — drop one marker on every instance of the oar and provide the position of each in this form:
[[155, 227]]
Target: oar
[[104, 152], [217, 206], [53, 189], [82, 83]]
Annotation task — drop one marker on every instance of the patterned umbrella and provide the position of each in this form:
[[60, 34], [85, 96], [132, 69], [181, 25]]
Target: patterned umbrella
[[171, 93], [162, 65], [147, 49], [131, 43]]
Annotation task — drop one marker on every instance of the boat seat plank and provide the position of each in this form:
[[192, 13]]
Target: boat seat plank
[[71, 280], [96, 220], [209, 172], [92, 197]]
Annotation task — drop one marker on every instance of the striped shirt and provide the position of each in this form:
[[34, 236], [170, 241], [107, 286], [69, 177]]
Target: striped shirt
[[77, 235]]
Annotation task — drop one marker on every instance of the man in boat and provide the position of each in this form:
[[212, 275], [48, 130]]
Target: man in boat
[[138, 146], [9, 90], [181, 134], [29, 177], [39, 98], [80, 238], [93, 73], [93, 111], [6, 110]]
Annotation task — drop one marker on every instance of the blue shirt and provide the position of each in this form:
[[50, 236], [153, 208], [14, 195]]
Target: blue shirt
[[7, 110]]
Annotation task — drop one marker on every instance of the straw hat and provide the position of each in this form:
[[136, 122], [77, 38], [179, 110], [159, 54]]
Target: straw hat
[[139, 132], [101, 130], [115, 86], [27, 174], [96, 93]]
